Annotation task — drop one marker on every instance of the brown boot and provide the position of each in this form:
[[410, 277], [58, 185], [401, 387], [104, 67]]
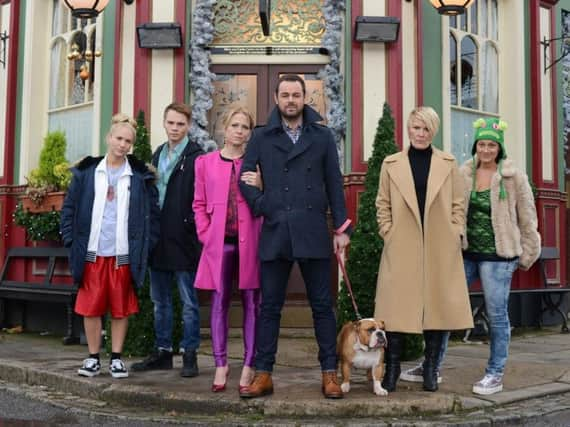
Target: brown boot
[[331, 388], [262, 385]]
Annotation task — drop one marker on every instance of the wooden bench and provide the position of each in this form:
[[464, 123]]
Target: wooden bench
[[45, 291], [552, 296]]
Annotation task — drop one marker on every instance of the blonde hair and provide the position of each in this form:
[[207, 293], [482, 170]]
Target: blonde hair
[[123, 120], [238, 110], [428, 116]]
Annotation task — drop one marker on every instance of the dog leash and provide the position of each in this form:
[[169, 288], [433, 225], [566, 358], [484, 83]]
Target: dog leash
[[347, 282]]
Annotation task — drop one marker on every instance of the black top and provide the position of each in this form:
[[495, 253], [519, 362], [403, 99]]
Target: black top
[[420, 161]]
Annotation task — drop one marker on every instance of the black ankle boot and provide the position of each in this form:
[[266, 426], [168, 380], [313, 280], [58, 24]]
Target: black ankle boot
[[392, 356], [433, 341], [189, 364]]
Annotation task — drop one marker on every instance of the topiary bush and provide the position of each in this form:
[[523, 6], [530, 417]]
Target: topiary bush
[[142, 149], [366, 244]]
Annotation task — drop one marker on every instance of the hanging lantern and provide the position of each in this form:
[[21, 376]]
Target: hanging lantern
[[451, 7], [86, 9]]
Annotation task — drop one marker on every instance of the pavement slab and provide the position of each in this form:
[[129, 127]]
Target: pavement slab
[[538, 368]]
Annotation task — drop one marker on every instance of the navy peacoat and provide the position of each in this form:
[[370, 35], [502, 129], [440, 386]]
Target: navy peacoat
[[300, 183]]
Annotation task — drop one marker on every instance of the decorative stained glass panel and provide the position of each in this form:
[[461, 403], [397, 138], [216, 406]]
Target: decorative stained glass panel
[[299, 22]]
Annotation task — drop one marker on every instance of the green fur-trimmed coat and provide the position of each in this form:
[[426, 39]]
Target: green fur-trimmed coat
[[514, 218]]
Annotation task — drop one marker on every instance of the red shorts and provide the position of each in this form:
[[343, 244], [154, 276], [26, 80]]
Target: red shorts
[[106, 288]]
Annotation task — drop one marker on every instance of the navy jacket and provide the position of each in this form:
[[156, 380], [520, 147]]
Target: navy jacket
[[178, 248], [143, 216], [300, 183]]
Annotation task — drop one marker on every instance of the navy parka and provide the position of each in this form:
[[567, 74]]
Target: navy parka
[[143, 224]]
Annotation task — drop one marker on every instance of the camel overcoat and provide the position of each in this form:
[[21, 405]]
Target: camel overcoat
[[421, 281]]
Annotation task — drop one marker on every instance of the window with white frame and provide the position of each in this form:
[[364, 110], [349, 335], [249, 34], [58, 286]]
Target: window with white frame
[[474, 72], [72, 79]]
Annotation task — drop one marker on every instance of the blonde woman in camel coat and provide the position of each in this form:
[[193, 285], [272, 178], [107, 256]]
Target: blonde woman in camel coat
[[420, 211]]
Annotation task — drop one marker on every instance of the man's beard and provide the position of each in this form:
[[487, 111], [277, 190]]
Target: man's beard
[[292, 116]]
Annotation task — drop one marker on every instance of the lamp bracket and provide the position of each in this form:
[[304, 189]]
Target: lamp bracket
[[565, 50], [3, 39]]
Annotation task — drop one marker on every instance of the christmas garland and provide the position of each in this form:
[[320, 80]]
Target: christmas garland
[[200, 75], [331, 75]]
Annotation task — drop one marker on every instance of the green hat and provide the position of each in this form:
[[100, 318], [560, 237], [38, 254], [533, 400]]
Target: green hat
[[491, 129]]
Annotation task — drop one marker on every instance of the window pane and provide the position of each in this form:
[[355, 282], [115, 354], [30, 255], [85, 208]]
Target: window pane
[[463, 22], [494, 30], [490, 68], [77, 123], [473, 15], [231, 90], [76, 84], [483, 15], [58, 65], [462, 133], [453, 21], [468, 73], [91, 66], [57, 19], [453, 69]]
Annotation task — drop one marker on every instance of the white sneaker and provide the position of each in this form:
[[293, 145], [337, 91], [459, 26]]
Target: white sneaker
[[416, 375], [117, 369], [490, 384], [91, 367]]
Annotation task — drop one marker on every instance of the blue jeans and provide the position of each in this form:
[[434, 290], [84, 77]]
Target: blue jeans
[[496, 282], [161, 295], [317, 278]]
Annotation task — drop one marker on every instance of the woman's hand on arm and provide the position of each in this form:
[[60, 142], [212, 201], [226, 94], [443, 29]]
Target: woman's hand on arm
[[253, 178]]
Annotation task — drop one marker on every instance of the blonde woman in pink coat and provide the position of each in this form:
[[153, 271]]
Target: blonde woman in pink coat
[[230, 235]]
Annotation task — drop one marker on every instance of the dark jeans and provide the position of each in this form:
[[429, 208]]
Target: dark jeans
[[274, 277], [161, 295]]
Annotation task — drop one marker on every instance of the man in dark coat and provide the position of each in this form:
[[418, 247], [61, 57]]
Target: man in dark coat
[[177, 252], [301, 176]]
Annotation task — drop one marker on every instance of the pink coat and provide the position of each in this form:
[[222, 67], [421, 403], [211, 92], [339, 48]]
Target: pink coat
[[211, 190]]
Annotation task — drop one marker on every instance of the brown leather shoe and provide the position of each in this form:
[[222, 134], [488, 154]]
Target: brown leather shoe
[[262, 385], [331, 388]]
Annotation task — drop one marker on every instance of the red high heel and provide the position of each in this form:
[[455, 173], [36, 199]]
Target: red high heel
[[217, 388], [244, 388]]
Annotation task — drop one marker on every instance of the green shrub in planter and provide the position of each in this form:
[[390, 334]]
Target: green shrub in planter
[[366, 244], [51, 175]]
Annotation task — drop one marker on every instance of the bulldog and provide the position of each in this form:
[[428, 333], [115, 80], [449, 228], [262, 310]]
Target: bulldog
[[361, 344]]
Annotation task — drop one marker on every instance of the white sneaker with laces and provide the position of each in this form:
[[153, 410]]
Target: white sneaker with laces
[[416, 375], [490, 384], [91, 367], [117, 369]]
